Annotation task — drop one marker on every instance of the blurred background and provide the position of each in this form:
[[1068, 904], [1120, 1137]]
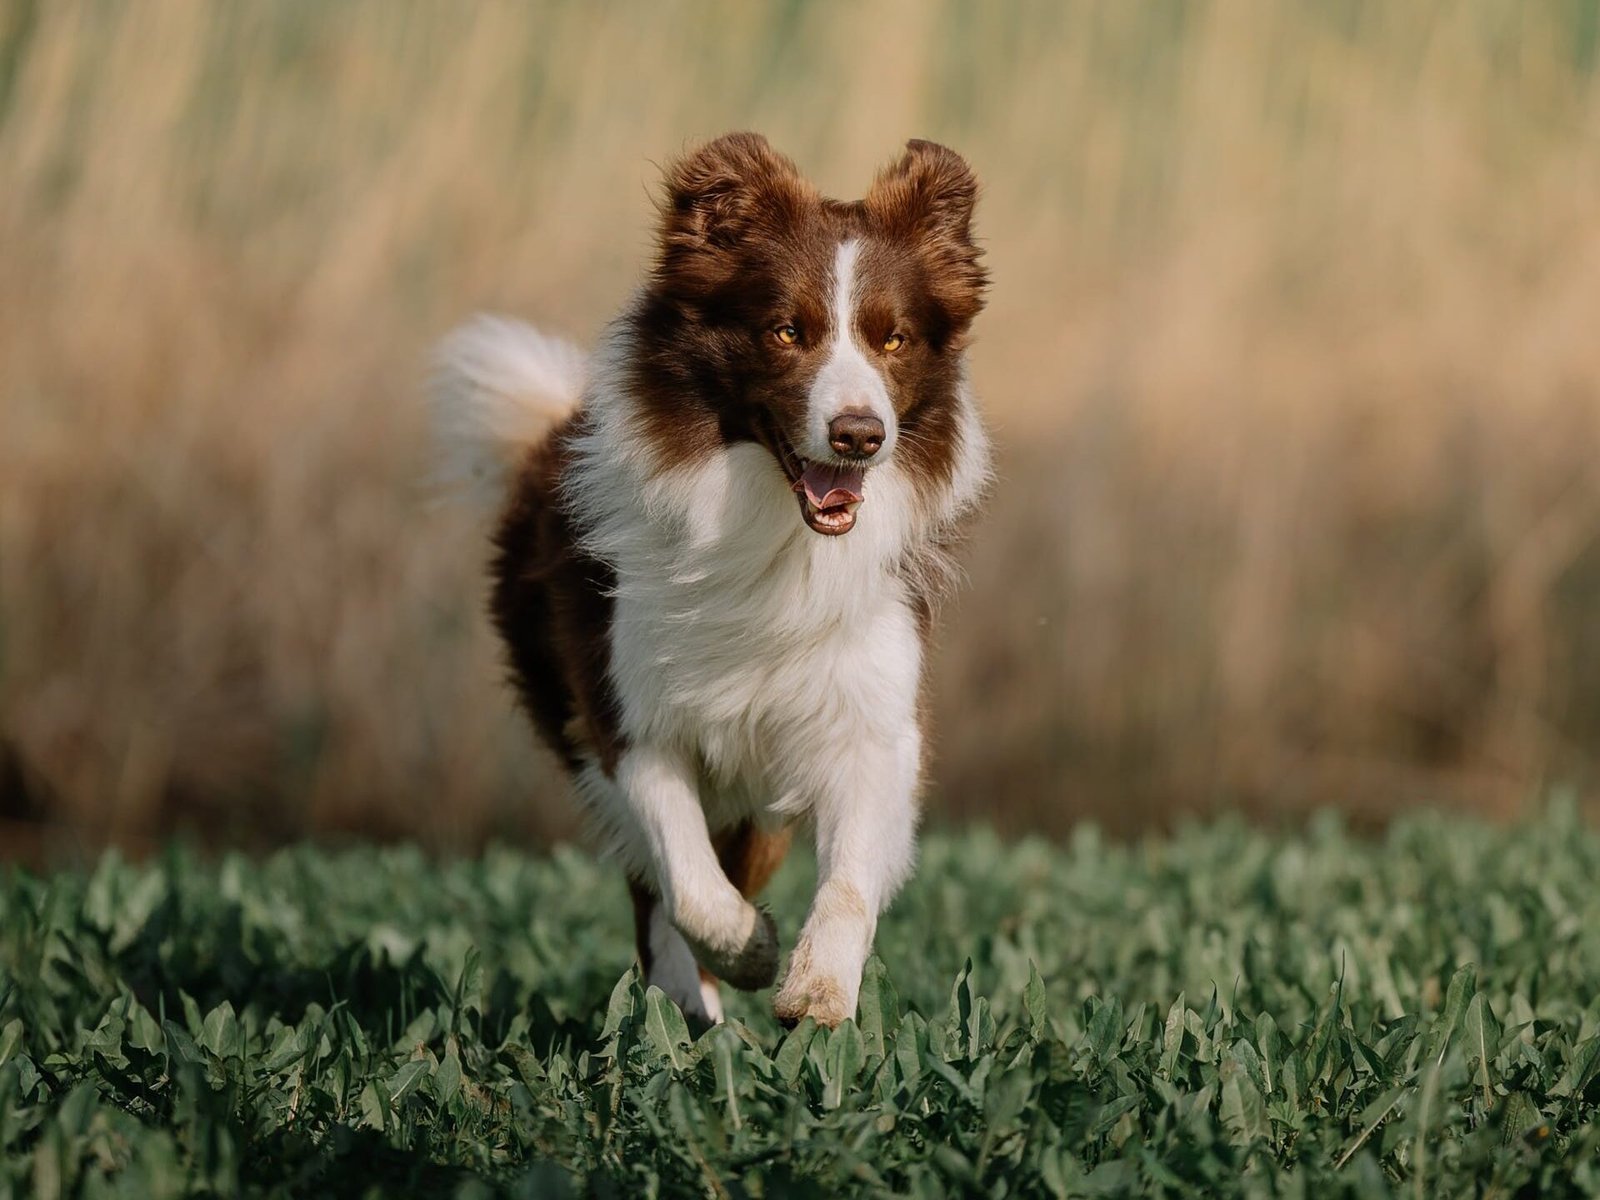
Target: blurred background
[[1292, 356]]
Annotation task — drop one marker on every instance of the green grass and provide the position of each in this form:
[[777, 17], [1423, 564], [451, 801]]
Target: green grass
[[1220, 1012]]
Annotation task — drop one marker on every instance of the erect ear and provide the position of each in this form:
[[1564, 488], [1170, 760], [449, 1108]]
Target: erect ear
[[931, 190], [717, 197], [927, 198]]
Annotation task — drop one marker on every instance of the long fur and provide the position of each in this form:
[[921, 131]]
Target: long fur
[[497, 388], [704, 660]]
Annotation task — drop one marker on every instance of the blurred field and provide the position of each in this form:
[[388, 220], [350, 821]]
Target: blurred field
[[1292, 354]]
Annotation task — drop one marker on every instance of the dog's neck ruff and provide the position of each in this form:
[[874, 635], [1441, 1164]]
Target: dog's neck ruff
[[727, 516]]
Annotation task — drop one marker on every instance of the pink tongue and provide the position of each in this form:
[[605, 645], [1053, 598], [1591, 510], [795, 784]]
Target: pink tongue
[[826, 486]]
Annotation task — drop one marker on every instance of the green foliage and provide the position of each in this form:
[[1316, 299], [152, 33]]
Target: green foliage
[[1222, 1012]]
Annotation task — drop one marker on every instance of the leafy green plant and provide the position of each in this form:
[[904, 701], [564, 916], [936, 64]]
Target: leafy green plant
[[1220, 1012]]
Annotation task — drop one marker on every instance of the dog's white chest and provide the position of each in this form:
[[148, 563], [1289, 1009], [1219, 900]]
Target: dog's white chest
[[767, 652]]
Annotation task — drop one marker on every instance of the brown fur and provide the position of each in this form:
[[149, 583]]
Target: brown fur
[[745, 245], [552, 604]]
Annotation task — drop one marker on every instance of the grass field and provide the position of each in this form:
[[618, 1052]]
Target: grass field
[[1291, 360], [1221, 1012]]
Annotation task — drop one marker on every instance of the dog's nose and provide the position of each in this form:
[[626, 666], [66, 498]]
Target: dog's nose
[[855, 433]]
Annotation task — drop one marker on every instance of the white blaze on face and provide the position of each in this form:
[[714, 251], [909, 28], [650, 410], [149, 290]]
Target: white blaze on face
[[848, 379]]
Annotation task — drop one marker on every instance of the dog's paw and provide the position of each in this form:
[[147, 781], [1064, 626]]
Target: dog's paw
[[748, 962], [820, 997]]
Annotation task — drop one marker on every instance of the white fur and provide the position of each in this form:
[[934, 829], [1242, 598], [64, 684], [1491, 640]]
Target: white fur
[[658, 786], [776, 669], [763, 671], [847, 378], [674, 970], [498, 386]]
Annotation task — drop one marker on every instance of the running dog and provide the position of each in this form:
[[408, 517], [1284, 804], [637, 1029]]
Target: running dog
[[721, 538]]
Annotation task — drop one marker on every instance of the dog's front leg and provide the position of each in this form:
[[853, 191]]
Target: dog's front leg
[[866, 827], [729, 936]]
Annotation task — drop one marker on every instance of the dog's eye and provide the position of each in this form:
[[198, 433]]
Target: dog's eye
[[787, 334], [893, 342]]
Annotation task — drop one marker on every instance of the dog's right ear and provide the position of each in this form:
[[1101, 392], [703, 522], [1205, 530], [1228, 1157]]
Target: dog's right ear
[[927, 198], [718, 197]]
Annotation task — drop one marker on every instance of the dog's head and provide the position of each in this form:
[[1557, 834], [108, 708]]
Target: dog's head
[[828, 332]]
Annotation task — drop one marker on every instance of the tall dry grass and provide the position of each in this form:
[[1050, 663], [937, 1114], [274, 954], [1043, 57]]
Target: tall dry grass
[[1292, 352]]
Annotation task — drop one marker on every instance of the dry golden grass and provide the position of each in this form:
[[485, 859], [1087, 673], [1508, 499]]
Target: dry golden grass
[[1292, 353]]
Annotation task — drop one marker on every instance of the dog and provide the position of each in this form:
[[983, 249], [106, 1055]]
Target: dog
[[721, 538]]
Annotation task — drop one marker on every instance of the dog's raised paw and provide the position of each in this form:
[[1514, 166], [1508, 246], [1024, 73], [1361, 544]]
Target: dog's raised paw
[[752, 965]]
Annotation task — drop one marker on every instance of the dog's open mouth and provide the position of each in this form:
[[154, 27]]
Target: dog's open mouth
[[829, 496], [829, 493]]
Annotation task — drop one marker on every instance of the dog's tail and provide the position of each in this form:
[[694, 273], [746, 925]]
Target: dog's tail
[[498, 387]]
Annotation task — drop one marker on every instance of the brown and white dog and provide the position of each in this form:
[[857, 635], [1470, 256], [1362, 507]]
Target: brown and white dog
[[720, 541]]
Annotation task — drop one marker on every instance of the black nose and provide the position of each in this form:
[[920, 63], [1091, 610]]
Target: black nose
[[855, 434]]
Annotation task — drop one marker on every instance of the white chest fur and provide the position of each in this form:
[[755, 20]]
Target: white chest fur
[[766, 651]]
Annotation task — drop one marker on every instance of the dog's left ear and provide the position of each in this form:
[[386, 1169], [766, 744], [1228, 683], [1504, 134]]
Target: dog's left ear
[[717, 199], [927, 197]]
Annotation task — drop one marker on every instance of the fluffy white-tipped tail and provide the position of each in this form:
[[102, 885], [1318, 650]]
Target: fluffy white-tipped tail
[[498, 386]]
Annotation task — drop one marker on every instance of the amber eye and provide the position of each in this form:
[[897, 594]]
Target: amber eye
[[787, 334], [893, 342]]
